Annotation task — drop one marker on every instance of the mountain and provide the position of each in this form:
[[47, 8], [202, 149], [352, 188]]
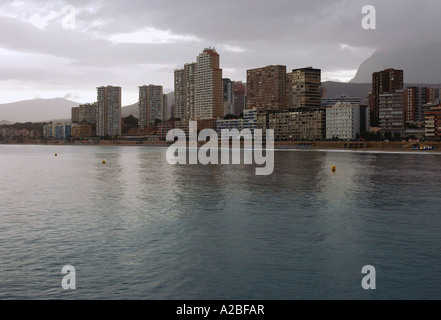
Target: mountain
[[38, 110], [131, 110], [5, 122], [336, 89], [421, 63]]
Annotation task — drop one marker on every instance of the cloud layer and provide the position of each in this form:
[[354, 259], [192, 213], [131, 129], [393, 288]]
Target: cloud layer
[[131, 43]]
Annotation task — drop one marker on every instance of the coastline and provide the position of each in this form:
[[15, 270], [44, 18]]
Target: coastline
[[354, 146]]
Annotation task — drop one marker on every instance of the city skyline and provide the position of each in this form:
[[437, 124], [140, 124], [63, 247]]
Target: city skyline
[[113, 43]]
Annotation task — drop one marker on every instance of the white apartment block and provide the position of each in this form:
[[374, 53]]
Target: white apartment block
[[344, 121]]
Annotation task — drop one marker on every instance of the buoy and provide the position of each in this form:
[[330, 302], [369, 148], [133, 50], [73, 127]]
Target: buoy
[[56, 155], [104, 161], [334, 168]]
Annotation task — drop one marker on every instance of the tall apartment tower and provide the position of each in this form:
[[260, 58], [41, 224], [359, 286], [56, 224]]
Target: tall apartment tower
[[151, 105], [198, 88], [190, 90], [108, 111], [386, 81], [266, 88], [228, 96], [289, 95], [412, 104], [306, 83], [208, 86], [165, 112], [180, 110], [239, 96]]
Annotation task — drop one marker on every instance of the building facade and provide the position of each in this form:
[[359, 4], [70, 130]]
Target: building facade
[[329, 102], [301, 124], [108, 111], [391, 112], [180, 107], [87, 113], [151, 105], [208, 88], [228, 96], [433, 123], [75, 115], [344, 121], [386, 81], [306, 84], [266, 88], [239, 96], [199, 88]]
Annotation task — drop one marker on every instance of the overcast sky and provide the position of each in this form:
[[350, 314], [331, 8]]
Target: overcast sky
[[131, 43]]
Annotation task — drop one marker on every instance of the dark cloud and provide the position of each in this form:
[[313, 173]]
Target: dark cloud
[[247, 33]]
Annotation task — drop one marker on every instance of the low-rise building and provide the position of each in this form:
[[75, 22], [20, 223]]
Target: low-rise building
[[229, 125], [344, 121], [300, 124], [433, 123], [81, 131]]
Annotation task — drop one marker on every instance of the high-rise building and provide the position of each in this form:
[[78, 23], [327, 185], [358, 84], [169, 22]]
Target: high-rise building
[[239, 96], [151, 107], [180, 108], [412, 104], [87, 113], [108, 111], [391, 112], [289, 95], [75, 117], [306, 83], [190, 90], [228, 96], [386, 81], [266, 88], [165, 112], [208, 88], [198, 88]]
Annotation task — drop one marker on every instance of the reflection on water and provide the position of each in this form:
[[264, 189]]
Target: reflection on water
[[137, 227]]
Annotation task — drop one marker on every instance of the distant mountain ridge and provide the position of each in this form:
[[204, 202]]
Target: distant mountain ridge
[[420, 62], [37, 110], [336, 89]]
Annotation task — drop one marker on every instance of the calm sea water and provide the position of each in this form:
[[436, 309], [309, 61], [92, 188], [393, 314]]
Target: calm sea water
[[139, 228]]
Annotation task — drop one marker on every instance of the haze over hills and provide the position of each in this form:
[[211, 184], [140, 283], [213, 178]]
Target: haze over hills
[[38, 110], [56, 110], [336, 89], [59, 109], [421, 63]]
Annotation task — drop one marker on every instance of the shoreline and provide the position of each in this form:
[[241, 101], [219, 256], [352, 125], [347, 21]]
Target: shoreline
[[348, 146]]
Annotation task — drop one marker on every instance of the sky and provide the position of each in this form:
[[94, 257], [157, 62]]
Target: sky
[[45, 53]]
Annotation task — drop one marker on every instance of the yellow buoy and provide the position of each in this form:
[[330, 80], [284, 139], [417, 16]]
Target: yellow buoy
[[334, 168], [104, 162], [56, 155]]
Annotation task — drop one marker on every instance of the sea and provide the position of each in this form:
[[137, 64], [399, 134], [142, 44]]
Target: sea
[[137, 227]]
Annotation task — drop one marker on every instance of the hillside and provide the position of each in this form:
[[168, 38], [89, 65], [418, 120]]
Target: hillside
[[37, 110]]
